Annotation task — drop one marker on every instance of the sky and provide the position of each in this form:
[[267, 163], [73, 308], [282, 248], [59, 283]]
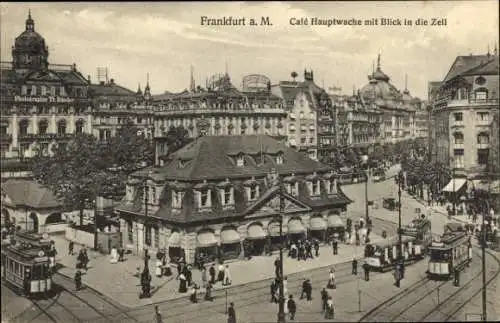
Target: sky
[[164, 39]]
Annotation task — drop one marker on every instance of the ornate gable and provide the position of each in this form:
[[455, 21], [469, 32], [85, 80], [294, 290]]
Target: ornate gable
[[269, 204]]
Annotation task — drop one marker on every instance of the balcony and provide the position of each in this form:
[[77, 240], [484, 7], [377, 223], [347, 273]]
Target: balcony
[[465, 102]]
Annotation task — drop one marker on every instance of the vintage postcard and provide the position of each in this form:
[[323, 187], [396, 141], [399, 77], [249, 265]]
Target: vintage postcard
[[308, 161]]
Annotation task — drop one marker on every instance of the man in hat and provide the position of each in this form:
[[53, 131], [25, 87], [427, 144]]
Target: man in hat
[[354, 266]]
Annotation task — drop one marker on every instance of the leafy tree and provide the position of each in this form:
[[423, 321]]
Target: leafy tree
[[73, 172], [177, 137], [129, 149]]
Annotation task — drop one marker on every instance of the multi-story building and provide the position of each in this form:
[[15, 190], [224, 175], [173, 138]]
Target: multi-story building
[[310, 123], [114, 105], [216, 197], [463, 111], [41, 104], [398, 109], [219, 110]]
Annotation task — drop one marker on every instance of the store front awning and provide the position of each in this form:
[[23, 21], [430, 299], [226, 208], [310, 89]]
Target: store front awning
[[255, 232], [229, 236], [295, 226], [334, 221], [454, 185], [274, 229], [486, 185], [206, 239], [317, 223], [174, 240]]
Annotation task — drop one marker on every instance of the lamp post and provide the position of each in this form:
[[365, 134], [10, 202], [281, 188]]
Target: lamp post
[[452, 163], [281, 308], [400, 249], [364, 159]]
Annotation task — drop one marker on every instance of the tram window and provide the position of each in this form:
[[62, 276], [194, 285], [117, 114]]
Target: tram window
[[37, 272], [438, 255]]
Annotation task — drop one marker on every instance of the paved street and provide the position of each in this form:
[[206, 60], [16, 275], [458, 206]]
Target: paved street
[[353, 297]]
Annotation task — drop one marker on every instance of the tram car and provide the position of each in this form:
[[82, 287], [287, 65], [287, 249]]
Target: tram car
[[383, 256], [420, 229], [452, 251], [26, 264]]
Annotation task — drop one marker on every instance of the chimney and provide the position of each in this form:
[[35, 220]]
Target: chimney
[[88, 78]]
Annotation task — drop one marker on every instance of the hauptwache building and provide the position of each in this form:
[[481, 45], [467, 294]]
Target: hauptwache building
[[215, 198]]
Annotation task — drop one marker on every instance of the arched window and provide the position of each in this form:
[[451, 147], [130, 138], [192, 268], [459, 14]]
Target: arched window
[[79, 127], [459, 137], [483, 138], [42, 127], [23, 127], [61, 127]]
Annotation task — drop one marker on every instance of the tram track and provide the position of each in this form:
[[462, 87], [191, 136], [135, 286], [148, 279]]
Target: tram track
[[42, 311], [408, 304]]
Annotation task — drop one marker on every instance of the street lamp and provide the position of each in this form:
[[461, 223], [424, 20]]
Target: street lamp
[[400, 231], [281, 308], [452, 163], [364, 160]]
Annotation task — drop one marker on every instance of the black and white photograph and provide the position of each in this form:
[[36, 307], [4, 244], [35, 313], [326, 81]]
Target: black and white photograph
[[250, 162]]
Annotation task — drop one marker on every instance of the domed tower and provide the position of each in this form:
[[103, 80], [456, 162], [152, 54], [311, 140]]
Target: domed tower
[[29, 50]]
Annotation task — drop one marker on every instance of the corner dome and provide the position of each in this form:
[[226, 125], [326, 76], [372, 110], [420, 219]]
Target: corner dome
[[29, 50]]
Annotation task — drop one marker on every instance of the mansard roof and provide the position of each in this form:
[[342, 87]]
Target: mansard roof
[[465, 63], [210, 157]]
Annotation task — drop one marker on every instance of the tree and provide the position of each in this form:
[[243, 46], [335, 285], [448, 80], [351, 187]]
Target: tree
[[73, 172], [177, 137], [129, 149]]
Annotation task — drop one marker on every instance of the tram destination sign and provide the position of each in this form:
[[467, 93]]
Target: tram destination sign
[[42, 99]]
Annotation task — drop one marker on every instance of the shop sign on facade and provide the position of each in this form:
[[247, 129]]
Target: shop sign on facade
[[42, 99]]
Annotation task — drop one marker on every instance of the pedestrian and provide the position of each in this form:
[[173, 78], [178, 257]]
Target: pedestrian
[[329, 313], [227, 276], [158, 269], [211, 272], [70, 247], [231, 314], [204, 276], [179, 268], [304, 289], [456, 276], [274, 299], [182, 283], [277, 267], [335, 245], [85, 259], [354, 266], [366, 268], [208, 292], [324, 299], [309, 251], [78, 279], [316, 247], [331, 280], [158, 317], [308, 290], [220, 274], [292, 307], [285, 286], [193, 294]]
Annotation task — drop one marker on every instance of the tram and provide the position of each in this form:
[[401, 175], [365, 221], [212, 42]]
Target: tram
[[452, 251], [26, 264], [383, 256], [420, 229]]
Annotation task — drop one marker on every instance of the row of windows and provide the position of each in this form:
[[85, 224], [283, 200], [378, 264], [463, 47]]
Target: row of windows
[[482, 138], [459, 157], [480, 116], [43, 126], [50, 90]]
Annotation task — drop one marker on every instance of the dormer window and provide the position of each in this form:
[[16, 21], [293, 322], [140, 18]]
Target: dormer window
[[204, 198], [153, 194], [182, 163], [52, 91], [24, 90], [279, 159], [227, 196], [177, 197], [292, 188], [314, 187], [331, 187], [62, 91], [253, 192], [44, 90], [240, 161], [33, 90]]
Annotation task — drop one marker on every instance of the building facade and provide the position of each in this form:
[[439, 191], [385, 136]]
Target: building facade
[[463, 112], [42, 104], [217, 197], [218, 110], [310, 122]]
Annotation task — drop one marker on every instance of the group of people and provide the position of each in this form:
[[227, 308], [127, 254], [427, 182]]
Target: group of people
[[302, 249]]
